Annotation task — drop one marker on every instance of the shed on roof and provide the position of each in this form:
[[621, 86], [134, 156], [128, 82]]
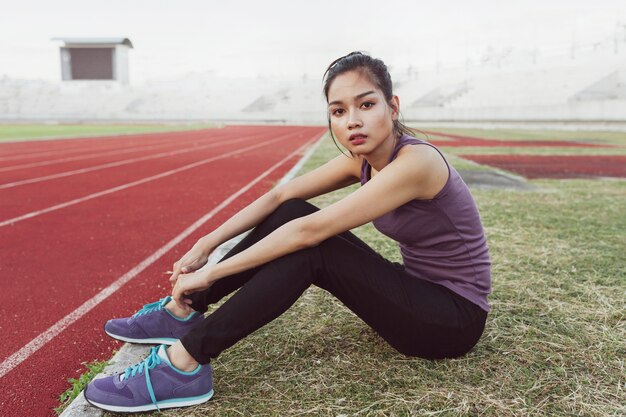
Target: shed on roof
[[95, 58]]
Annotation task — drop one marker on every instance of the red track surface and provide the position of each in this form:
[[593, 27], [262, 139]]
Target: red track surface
[[459, 140], [52, 263], [540, 166], [556, 166]]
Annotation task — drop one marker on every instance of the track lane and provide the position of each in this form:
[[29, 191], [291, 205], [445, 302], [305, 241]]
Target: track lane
[[38, 146], [19, 150], [19, 203], [43, 163], [463, 141], [85, 340], [112, 162], [36, 149], [25, 157], [15, 202], [120, 152], [100, 246]]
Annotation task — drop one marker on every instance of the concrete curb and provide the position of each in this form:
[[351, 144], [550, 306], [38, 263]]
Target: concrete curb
[[130, 353]]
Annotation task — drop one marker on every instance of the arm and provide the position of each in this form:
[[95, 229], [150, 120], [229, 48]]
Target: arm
[[413, 174], [335, 174]]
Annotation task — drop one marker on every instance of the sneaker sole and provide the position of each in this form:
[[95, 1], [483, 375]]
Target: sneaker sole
[[151, 341], [179, 402]]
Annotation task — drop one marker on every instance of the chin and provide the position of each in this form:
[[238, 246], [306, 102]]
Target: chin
[[358, 152]]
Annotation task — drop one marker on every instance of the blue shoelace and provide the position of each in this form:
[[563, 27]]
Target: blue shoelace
[[156, 306], [150, 362]]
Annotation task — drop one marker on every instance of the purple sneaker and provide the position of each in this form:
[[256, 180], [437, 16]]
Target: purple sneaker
[[152, 384], [153, 324]]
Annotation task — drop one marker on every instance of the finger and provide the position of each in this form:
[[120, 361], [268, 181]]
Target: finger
[[176, 273], [177, 294], [190, 267], [187, 305], [179, 302], [188, 302], [182, 290]]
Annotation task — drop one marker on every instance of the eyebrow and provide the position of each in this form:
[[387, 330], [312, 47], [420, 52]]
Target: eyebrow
[[356, 97]]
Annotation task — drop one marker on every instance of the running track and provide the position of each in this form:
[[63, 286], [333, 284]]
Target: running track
[[87, 227]]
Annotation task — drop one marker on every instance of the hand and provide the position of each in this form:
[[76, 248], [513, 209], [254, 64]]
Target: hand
[[190, 283], [193, 260]]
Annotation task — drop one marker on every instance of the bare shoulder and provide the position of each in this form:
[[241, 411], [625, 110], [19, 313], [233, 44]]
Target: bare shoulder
[[427, 167]]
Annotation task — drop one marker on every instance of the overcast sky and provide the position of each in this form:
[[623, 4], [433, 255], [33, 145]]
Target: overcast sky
[[291, 37]]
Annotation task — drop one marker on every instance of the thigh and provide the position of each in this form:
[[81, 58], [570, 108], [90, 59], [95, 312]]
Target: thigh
[[416, 317]]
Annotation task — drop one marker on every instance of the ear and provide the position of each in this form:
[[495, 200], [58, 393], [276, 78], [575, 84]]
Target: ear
[[394, 103]]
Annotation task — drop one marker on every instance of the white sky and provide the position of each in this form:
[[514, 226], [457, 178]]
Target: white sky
[[291, 37]]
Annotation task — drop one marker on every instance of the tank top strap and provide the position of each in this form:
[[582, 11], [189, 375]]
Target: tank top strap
[[366, 169]]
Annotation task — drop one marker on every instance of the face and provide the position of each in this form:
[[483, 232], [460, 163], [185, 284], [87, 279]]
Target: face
[[360, 117]]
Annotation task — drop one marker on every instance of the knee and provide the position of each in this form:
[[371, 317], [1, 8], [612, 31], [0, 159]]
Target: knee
[[297, 205], [292, 209]]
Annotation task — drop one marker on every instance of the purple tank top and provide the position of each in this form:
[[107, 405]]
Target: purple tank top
[[441, 240]]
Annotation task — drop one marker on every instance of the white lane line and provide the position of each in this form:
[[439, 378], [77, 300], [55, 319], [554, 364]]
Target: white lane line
[[20, 154], [91, 155], [126, 161], [85, 146], [26, 155], [134, 183], [91, 150], [115, 164], [38, 342]]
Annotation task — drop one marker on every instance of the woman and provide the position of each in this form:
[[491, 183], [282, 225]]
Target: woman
[[432, 306]]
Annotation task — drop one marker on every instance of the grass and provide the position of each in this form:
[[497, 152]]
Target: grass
[[553, 345], [78, 385], [19, 132]]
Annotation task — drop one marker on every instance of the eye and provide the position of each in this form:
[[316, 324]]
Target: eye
[[367, 105], [336, 112]]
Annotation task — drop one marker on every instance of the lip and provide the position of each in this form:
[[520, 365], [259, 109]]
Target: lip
[[357, 138]]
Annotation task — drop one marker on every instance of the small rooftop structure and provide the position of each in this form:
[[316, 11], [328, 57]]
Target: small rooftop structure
[[95, 59]]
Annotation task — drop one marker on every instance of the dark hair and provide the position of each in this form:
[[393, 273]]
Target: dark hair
[[376, 71]]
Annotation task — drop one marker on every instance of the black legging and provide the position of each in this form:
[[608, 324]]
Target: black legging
[[416, 317]]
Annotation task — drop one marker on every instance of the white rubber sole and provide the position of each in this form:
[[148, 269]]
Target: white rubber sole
[[182, 402], [153, 341]]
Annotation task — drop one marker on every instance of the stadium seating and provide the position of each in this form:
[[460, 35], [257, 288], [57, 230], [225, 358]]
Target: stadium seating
[[587, 86]]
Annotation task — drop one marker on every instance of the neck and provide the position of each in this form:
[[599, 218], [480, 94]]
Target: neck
[[379, 157]]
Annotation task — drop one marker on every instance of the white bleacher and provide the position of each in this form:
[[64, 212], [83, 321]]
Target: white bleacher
[[515, 85]]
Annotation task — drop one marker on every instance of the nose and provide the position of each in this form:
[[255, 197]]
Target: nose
[[354, 121]]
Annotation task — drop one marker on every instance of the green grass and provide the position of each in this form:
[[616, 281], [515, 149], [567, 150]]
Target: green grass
[[553, 345], [78, 385], [10, 132]]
